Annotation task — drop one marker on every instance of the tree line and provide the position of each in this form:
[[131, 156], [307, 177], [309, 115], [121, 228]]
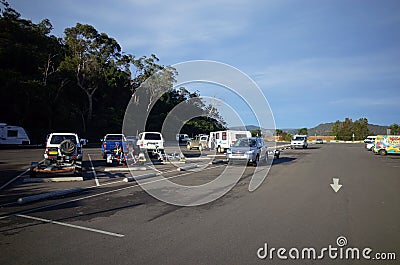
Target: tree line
[[343, 130], [82, 82]]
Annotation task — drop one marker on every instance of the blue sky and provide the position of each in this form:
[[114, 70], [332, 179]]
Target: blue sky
[[315, 61]]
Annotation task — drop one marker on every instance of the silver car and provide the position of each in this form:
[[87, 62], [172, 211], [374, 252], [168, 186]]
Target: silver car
[[251, 150]]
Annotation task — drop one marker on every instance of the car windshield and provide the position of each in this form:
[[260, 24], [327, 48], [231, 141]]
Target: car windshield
[[57, 139], [114, 138], [245, 142], [152, 136], [298, 138]]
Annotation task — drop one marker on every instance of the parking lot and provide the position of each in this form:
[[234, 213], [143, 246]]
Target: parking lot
[[112, 221]]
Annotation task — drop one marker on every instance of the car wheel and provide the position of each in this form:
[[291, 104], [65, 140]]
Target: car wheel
[[188, 147], [382, 152], [257, 161]]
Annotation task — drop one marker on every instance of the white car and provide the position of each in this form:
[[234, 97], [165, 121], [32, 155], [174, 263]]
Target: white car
[[63, 147], [369, 145], [370, 139], [151, 141]]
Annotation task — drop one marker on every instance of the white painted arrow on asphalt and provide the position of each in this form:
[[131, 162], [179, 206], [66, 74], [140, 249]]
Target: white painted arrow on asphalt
[[336, 186]]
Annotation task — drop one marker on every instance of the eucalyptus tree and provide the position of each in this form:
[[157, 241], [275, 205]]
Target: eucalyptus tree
[[95, 59]]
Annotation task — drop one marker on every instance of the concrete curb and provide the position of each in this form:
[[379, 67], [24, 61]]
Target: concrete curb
[[56, 179], [198, 158], [117, 169], [144, 176], [187, 167], [42, 196], [166, 162]]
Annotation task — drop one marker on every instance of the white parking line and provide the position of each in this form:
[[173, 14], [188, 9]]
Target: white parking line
[[69, 225], [94, 171]]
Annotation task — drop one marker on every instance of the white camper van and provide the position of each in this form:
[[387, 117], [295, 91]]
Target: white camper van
[[223, 140], [13, 135], [299, 141]]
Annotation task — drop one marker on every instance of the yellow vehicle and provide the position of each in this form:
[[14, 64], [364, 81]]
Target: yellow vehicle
[[387, 144]]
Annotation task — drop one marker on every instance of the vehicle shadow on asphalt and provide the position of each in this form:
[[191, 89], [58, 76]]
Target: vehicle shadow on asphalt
[[313, 147], [282, 160]]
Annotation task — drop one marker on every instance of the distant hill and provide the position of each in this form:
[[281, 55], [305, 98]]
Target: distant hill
[[323, 129], [326, 128]]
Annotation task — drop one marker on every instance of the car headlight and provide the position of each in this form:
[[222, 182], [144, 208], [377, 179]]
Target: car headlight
[[250, 152], [229, 151]]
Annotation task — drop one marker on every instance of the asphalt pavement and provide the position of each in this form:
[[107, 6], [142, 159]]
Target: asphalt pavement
[[116, 222]]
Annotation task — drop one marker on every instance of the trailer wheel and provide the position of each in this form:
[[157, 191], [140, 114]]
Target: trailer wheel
[[67, 147], [78, 171], [32, 173], [382, 152]]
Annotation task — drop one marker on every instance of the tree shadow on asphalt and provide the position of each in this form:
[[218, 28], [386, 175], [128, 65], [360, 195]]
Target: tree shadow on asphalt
[[78, 217]]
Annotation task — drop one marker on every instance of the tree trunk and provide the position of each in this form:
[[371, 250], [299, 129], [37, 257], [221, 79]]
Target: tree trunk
[[90, 107]]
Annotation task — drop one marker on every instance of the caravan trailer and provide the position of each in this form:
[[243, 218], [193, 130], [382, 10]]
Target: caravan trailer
[[223, 140], [13, 135]]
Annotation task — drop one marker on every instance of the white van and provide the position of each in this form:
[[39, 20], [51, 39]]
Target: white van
[[150, 141], [299, 140], [223, 140], [13, 135], [370, 139]]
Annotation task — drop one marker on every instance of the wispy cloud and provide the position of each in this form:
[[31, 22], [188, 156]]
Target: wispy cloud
[[167, 27], [362, 101]]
